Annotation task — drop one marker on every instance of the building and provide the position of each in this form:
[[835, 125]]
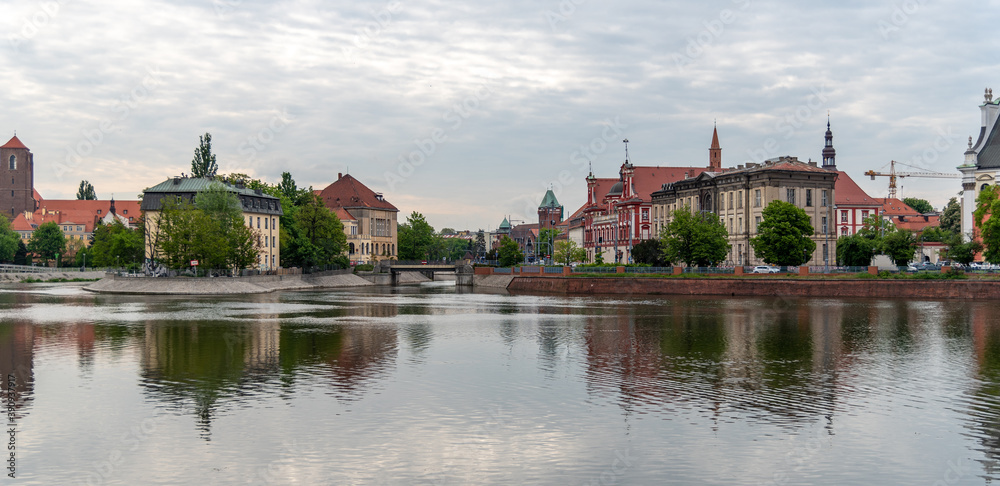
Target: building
[[852, 205], [550, 212], [981, 167], [619, 212], [738, 197], [77, 218], [370, 220], [17, 164], [261, 212]]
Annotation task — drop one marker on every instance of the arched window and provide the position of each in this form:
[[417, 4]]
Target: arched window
[[13, 162], [351, 250]]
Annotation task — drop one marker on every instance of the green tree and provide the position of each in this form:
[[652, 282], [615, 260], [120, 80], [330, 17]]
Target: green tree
[[783, 236], [221, 204], [113, 244], [951, 217], [649, 252], [855, 250], [698, 240], [86, 192], [510, 252], [480, 244], [9, 241], [415, 238], [21, 256], [288, 189], [921, 205], [187, 234], [320, 235], [934, 234], [567, 252], [987, 217], [203, 164], [47, 241], [547, 240], [899, 245], [963, 252]]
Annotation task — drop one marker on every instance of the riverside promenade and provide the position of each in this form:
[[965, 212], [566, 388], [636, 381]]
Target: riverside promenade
[[257, 284]]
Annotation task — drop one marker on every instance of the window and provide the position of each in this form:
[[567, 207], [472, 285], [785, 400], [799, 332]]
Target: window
[[125, 212], [824, 225], [843, 216], [730, 225], [843, 231], [265, 242], [864, 214], [809, 198], [982, 188], [826, 195], [826, 253], [739, 200], [756, 198], [265, 223], [13, 162], [790, 195], [98, 211], [741, 224], [273, 226], [731, 200], [645, 215], [272, 242], [258, 222], [756, 223]]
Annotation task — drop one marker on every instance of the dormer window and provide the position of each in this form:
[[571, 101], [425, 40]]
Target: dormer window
[[125, 211], [98, 211]]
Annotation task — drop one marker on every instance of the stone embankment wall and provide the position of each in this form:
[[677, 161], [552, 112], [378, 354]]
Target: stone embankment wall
[[493, 281], [17, 277], [113, 284], [907, 289]]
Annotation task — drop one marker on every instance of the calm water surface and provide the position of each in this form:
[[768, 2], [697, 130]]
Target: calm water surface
[[426, 385]]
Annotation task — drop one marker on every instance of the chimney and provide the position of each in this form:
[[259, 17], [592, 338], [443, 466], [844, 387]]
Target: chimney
[[339, 175], [177, 180]]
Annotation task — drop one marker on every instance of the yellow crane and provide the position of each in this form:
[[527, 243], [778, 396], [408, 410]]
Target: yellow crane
[[893, 175]]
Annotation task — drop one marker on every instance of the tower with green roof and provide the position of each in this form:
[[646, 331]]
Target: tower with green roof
[[550, 212]]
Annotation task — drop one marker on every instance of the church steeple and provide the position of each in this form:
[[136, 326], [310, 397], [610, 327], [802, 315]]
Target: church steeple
[[829, 154], [715, 151]]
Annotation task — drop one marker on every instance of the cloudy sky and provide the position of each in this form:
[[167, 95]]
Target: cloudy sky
[[467, 112]]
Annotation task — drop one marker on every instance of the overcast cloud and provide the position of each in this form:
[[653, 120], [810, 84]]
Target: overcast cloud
[[118, 92]]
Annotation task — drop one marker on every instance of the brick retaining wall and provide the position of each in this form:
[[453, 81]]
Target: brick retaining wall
[[907, 289]]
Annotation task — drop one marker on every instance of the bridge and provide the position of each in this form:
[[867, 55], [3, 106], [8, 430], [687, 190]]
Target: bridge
[[427, 268]]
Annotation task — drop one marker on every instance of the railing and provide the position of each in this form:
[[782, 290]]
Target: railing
[[502, 270], [391, 263], [709, 270], [553, 269], [4, 268], [595, 270], [665, 270], [832, 269]]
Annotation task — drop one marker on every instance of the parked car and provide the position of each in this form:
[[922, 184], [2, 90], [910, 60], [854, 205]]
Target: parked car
[[765, 269]]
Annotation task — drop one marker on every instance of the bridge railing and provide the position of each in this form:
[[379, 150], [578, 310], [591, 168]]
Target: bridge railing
[[5, 268]]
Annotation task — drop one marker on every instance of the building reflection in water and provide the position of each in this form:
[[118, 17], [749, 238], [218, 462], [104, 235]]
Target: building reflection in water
[[209, 365], [17, 341]]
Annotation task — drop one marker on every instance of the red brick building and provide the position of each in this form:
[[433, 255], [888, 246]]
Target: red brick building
[[18, 166]]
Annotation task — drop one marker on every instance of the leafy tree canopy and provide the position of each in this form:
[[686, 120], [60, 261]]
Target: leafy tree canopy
[[649, 252], [510, 253], [415, 238], [86, 192], [203, 164], [567, 252], [783, 236], [921, 205], [951, 217], [696, 239], [10, 241], [47, 241], [987, 217], [855, 250]]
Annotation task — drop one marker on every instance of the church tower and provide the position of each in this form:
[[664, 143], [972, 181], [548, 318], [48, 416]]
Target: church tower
[[550, 212], [829, 154], [16, 166], [715, 152]]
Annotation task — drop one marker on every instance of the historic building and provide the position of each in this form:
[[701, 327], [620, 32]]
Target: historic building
[[369, 220], [261, 212], [981, 167], [550, 212], [739, 196], [77, 219], [852, 205], [18, 166], [619, 211]]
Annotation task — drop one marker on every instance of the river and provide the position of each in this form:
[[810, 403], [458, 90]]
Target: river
[[429, 385]]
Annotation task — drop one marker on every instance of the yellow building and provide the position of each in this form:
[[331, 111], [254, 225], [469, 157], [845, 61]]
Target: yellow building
[[369, 220], [261, 212]]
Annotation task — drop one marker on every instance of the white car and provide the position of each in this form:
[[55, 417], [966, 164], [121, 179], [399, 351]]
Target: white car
[[765, 269]]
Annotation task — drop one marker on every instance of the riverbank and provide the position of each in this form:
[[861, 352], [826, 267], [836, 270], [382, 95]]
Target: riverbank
[[260, 284], [50, 277], [758, 287]]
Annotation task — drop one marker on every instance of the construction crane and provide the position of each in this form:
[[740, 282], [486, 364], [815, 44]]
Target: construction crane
[[893, 175]]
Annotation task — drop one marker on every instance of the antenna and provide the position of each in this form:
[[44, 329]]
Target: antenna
[[626, 149]]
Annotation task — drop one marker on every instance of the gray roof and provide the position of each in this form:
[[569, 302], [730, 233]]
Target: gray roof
[[187, 187], [989, 156]]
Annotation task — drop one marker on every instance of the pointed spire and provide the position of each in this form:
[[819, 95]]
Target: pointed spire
[[715, 151], [829, 154]]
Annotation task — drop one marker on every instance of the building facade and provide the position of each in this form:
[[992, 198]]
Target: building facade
[[17, 165], [261, 212], [369, 220], [738, 197], [981, 167]]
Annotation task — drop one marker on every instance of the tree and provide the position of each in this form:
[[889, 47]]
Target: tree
[[935, 234], [547, 239], [963, 252], [447, 231], [47, 241], [415, 238], [649, 252], [695, 239], [220, 203], [9, 241], [203, 164], [288, 189], [987, 217], [567, 252], [86, 192], [951, 217], [188, 233], [510, 252], [21, 257], [113, 244], [921, 205], [322, 240], [783, 236], [855, 250], [899, 245], [480, 244]]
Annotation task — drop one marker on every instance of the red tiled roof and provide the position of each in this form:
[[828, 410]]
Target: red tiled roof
[[122, 208], [849, 193], [21, 223], [344, 215], [348, 192], [14, 143], [895, 207]]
